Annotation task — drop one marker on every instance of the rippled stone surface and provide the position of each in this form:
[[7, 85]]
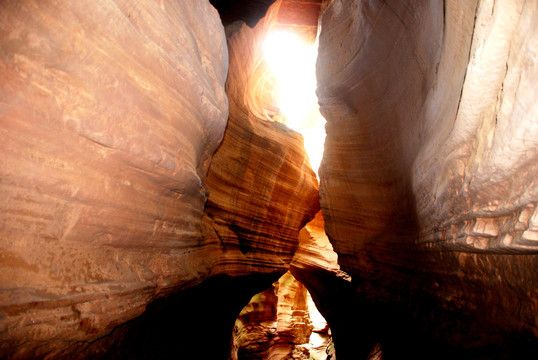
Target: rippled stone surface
[[111, 111]]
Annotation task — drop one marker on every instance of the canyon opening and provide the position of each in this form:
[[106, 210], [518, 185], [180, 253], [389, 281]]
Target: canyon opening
[[292, 60], [159, 200]]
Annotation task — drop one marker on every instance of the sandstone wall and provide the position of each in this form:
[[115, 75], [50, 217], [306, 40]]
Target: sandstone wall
[[428, 185], [111, 112]]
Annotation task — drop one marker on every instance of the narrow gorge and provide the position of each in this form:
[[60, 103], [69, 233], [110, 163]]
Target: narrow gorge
[[158, 200]]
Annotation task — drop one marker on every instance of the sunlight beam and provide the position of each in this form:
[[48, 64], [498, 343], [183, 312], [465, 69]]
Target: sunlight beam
[[293, 62]]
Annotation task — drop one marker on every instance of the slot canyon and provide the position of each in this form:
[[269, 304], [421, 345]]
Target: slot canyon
[[157, 203]]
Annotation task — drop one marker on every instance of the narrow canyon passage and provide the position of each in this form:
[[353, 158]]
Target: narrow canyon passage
[[158, 200]]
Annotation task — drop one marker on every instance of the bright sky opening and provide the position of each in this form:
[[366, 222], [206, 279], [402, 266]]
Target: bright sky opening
[[294, 64]]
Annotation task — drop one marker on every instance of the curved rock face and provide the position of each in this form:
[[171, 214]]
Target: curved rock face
[[315, 264], [110, 115], [428, 185], [111, 112]]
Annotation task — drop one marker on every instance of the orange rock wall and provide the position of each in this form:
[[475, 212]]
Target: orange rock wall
[[111, 112], [263, 190]]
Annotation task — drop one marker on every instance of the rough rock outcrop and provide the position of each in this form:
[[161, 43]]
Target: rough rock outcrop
[[110, 114], [267, 329], [428, 185], [255, 328]]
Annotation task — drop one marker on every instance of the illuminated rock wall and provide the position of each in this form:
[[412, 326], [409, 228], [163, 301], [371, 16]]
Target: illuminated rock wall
[[428, 185], [262, 189], [111, 113], [275, 323]]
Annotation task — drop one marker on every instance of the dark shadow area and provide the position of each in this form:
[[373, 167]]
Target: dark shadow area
[[351, 326], [195, 323], [360, 327], [249, 11]]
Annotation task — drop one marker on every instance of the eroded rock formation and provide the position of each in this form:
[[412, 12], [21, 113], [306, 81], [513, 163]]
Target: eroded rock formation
[[113, 197], [263, 190], [428, 184], [111, 113]]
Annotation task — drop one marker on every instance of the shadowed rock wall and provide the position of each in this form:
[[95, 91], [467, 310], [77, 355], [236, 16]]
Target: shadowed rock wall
[[428, 185], [111, 111]]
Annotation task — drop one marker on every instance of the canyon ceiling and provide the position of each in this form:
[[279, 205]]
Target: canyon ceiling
[[148, 190]]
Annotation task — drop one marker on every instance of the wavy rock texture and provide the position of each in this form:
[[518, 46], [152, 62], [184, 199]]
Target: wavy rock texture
[[315, 251], [262, 188], [269, 325], [428, 185], [274, 324], [255, 328], [111, 112]]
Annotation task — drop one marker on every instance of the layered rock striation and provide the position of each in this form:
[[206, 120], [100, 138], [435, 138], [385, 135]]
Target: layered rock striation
[[111, 113], [315, 264], [428, 184], [263, 190], [115, 198]]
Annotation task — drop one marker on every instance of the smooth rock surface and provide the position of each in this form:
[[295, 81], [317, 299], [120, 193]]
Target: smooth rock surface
[[428, 184], [110, 113]]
